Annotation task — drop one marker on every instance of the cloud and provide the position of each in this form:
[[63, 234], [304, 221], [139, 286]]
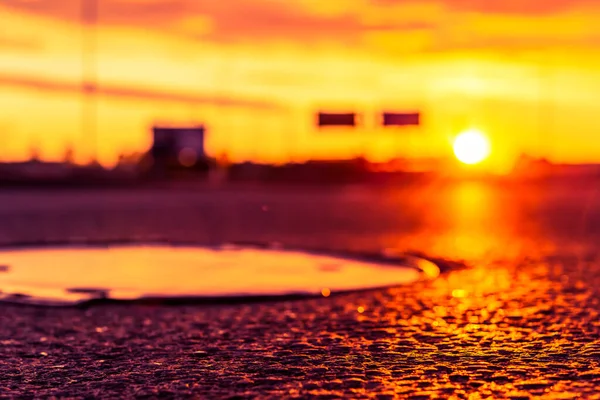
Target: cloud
[[226, 21], [427, 25], [520, 7], [517, 7], [129, 92], [512, 45], [19, 44], [109, 11]]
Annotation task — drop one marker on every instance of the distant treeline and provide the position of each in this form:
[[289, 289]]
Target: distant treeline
[[355, 171]]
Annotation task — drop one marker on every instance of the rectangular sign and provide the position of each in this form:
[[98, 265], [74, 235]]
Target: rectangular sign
[[336, 119], [401, 119]]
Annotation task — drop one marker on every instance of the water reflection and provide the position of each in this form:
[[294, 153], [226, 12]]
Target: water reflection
[[466, 220], [477, 220], [474, 221], [475, 217], [72, 274]]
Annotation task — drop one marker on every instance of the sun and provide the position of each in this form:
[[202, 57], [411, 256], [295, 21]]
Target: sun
[[471, 147]]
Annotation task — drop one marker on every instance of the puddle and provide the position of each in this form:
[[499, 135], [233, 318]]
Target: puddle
[[69, 275]]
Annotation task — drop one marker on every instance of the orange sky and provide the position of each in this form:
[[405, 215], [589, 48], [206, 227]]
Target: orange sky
[[526, 72]]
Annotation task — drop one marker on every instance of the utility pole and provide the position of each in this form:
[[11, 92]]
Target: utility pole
[[546, 106], [89, 17]]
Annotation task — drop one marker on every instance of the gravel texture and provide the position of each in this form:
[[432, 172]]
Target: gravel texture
[[520, 322]]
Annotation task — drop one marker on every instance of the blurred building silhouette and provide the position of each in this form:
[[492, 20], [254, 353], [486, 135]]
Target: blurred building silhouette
[[35, 169], [178, 149]]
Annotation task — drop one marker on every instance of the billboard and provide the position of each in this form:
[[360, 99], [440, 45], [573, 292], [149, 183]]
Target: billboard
[[401, 118], [337, 119]]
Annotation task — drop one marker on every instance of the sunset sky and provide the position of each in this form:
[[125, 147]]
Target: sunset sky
[[525, 72]]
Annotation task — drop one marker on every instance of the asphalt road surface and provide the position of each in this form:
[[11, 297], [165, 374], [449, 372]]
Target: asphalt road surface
[[521, 321]]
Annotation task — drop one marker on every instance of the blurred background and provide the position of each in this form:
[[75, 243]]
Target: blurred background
[[175, 147], [99, 83]]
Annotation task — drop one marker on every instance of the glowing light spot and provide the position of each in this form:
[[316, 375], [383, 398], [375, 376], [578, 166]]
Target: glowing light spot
[[325, 292], [459, 293], [360, 309], [471, 147], [187, 157], [429, 269]]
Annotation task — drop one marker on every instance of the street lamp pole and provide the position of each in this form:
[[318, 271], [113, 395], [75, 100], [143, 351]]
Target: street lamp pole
[[89, 17]]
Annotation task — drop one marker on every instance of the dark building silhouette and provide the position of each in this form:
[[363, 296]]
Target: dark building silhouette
[[178, 149]]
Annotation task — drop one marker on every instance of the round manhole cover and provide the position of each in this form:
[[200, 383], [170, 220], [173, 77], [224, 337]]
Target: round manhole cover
[[70, 275]]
